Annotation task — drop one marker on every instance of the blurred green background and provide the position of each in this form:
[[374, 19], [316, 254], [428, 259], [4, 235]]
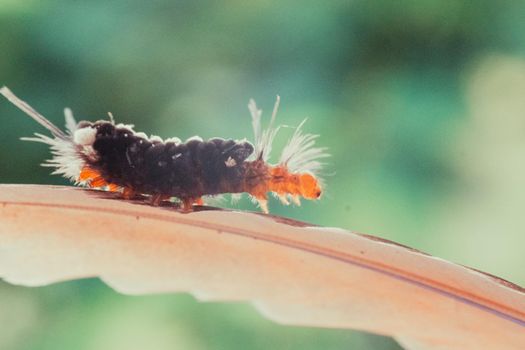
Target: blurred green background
[[422, 104]]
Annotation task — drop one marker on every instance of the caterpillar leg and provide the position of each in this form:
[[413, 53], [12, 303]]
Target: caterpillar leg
[[113, 188], [188, 203], [263, 203], [296, 200], [128, 193], [157, 199], [283, 198]]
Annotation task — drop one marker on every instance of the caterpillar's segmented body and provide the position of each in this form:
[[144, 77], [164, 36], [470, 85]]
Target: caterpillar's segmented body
[[114, 157]]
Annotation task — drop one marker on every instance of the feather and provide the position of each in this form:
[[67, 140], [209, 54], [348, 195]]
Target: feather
[[292, 272]]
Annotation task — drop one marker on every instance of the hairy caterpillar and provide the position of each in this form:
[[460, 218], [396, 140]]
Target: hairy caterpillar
[[114, 157]]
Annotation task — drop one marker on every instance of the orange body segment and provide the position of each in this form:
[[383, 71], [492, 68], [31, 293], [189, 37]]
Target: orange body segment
[[88, 174], [94, 179], [283, 182]]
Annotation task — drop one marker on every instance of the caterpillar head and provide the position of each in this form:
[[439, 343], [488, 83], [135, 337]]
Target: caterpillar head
[[309, 186]]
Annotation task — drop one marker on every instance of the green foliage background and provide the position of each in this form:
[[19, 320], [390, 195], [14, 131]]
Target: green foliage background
[[420, 102]]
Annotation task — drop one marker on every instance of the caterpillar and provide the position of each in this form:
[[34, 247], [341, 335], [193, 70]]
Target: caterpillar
[[113, 157]]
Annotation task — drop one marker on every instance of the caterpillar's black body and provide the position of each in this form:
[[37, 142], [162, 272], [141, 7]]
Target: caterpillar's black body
[[184, 170]]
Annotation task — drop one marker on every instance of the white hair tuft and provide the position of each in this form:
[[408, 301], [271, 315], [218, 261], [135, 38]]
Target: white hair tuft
[[300, 153], [263, 138]]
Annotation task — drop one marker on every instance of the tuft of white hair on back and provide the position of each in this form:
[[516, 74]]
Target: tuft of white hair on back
[[193, 138], [155, 138], [85, 136], [175, 140], [128, 127], [300, 153], [71, 123], [256, 124], [263, 138], [111, 118], [66, 159]]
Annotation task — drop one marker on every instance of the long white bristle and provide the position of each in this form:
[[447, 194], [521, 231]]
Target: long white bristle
[[66, 159], [300, 153], [40, 119], [71, 123], [263, 138]]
